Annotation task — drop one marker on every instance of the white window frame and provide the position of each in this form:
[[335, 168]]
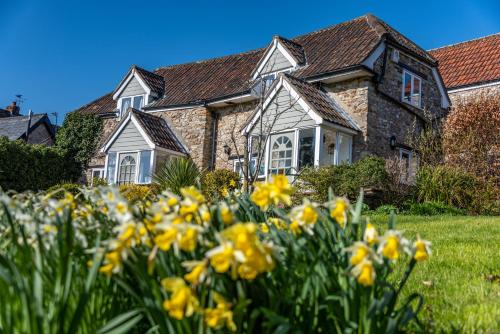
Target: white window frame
[[119, 154], [131, 97], [412, 75], [101, 171], [337, 146], [409, 172]]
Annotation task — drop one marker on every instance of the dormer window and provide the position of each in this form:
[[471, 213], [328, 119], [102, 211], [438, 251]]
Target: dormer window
[[136, 102], [412, 89]]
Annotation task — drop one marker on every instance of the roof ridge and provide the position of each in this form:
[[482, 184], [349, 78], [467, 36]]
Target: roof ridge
[[328, 27], [464, 42], [209, 59]]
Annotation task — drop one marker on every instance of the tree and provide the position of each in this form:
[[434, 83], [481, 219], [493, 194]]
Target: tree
[[78, 137], [471, 137]]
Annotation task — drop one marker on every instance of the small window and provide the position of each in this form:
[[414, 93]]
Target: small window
[[126, 102], [412, 89], [97, 173], [409, 165], [306, 148], [145, 167], [137, 102], [257, 151]]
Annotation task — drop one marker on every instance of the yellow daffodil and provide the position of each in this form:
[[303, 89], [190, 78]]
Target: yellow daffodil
[[281, 190], [193, 194], [370, 235], [365, 273], [279, 223], [224, 192], [226, 214], [261, 196], [182, 302], [232, 183], [112, 263], [295, 227], [220, 315], [422, 249], [338, 211], [305, 215], [221, 258], [187, 240], [165, 239], [359, 252], [392, 244], [197, 273], [172, 201], [264, 228]]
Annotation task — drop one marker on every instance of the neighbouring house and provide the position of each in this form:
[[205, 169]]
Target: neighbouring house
[[331, 96], [470, 67], [33, 128]]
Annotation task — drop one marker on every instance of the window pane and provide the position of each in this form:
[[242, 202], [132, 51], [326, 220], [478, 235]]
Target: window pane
[[415, 100], [111, 168], [407, 87], [306, 147], [127, 169], [344, 148], [125, 105], [144, 169], [138, 102]]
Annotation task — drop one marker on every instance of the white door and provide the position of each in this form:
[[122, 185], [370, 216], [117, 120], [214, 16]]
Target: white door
[[282, 154]]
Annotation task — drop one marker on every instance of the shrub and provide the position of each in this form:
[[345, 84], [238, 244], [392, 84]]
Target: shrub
[[433, 209], [471, 136], [345, 180], [386, 209], [176, 174], [218, 183], [97, 181], [32, 167], [137, 192], [57, 191], [78, 138]]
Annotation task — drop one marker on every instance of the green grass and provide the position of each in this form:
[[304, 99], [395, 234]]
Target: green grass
[[454, 283]]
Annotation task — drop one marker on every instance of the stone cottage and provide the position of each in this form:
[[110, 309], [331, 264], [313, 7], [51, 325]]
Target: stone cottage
[[331, 96], [471, 67]]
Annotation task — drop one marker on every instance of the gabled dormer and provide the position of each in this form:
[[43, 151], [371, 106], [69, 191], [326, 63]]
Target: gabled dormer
[[137, 89], [282, 55]]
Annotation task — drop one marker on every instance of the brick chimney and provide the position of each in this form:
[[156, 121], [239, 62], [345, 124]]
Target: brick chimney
[[13, 109]]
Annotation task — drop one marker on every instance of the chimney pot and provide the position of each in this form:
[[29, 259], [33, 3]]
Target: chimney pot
[[13, 109]]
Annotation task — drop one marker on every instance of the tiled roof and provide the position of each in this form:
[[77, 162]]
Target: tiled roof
[[159, 131], [295, 49], [102, 105], [320, 102], [470, 63], [154, 81], [4, 113], [335, 48], [15, 127]]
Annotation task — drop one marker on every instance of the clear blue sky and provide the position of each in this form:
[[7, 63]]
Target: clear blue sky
[[63, 54]]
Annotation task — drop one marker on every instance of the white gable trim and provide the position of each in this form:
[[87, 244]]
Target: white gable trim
[[282, 83], [276, 45], [445, 101], [133, 74], [116, 134], [374, 55], [489, 84]]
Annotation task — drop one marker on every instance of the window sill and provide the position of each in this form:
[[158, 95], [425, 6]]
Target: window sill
[[410, 104]]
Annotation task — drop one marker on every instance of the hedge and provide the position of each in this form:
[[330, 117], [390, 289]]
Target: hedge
[[32, 167]]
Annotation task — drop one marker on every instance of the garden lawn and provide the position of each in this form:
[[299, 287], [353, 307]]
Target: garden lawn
[[461, 281]]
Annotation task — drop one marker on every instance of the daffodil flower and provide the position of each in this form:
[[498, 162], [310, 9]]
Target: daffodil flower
[[182, 302], [220, 315], [422, 249], [370, 235]]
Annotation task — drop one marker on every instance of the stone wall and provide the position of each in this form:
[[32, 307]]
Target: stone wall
[[471, 93], [230, 121], [193, 126], [353, 96]]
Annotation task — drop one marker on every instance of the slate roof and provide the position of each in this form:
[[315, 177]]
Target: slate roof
[[324, 105], [336, 48], [470, 63], [14, 127], [159, 131], [4, 113], [154, 81]]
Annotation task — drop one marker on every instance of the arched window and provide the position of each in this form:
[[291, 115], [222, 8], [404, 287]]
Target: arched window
[[127, 170], [281, 155]]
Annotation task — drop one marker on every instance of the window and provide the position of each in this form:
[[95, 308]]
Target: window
[[127, 169], [111, 168], [412, 89], [409, 164], [145, 167], [135, 101], [343, 148], [306, 148], [267, 81], [97, 173], [238, 168], [256, 152], [282, 155]]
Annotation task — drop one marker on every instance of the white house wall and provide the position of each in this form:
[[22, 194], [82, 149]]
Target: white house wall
[[288, 112], [133, 88], [277, 62], [129, 139]]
